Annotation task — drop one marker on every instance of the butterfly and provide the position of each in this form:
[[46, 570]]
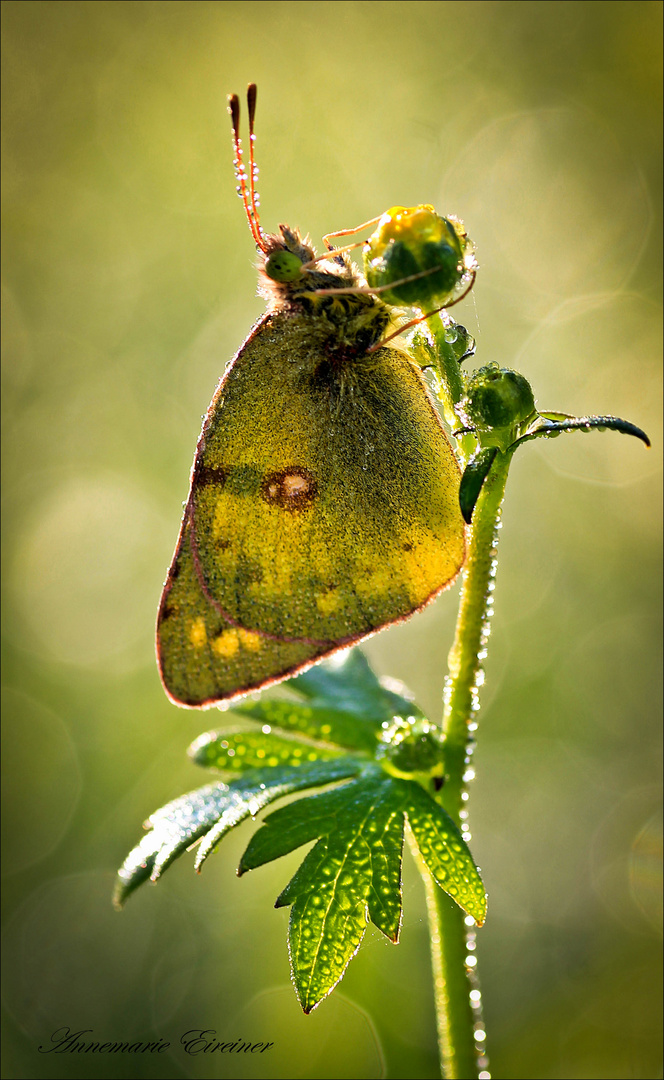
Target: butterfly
[[324, 496]]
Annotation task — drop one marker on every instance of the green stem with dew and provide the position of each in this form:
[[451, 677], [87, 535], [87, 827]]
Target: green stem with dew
[[457, 1001]]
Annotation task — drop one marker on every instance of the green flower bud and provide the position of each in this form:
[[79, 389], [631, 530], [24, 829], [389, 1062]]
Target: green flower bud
[[408, 746], [410, 240], [497, 403]]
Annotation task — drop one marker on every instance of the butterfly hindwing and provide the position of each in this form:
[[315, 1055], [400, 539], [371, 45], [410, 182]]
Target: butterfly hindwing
[[323, 506]]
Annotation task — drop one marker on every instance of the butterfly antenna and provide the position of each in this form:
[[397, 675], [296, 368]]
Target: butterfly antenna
[[247, 194], [252, 91]]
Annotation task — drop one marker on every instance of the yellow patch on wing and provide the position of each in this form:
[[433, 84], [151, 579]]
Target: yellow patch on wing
[[198, 633], [374, 581], [426, 565], [229, 642], [221, 524], [226, 644], [328, 602], [250, 640], [276, 579]]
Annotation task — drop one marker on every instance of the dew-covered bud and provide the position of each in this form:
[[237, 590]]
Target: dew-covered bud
[[497, 402], [407, 746], [410, 240]]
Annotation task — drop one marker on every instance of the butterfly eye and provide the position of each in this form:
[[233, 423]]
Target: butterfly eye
[[283, 266]]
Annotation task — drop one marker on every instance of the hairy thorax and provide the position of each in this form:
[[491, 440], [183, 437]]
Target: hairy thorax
[[344, 324]]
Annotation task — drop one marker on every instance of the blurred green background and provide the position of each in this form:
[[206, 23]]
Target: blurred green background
[[127, 285]]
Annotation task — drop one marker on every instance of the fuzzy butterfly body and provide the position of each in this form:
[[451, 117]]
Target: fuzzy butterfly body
[[324, 499]]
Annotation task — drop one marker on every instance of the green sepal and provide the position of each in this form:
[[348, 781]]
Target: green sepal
[[355, 866], [236, 750], [473, 478], [212, 810], [455, 342], [550, 424]]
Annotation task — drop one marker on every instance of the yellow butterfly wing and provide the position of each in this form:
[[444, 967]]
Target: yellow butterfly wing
[[323, 506]]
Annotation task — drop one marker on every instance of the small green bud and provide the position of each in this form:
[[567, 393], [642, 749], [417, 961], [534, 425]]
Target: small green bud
[[497, 403], [283, 266], [410, 240], [408, 746]]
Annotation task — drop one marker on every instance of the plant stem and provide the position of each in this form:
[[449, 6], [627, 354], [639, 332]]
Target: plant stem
[[455, 1017], [458, 1021]]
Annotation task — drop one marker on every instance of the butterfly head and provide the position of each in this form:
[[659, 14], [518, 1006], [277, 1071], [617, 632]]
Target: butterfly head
[[289, 268]]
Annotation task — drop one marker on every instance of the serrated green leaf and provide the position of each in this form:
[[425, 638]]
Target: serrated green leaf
[[235, 750], [327, 924], [445, 852], [265, 789], [385, 896], [355, 866], [372, 799], [288, 828], [213, 810], [346, 808], [173, 828], [353, 872]]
